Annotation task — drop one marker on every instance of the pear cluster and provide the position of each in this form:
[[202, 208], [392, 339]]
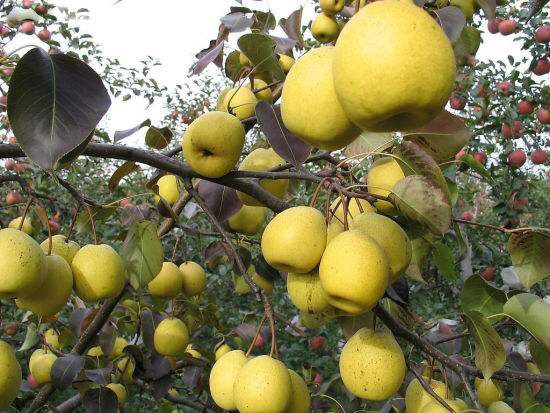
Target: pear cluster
[[188, 279], [257, 385]]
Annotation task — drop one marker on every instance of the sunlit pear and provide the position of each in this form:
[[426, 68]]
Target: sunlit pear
[[243, 60], [372, 364], [171, 337], [286, 62], [332, 6], [168, 282], [213, 143], [119, 390], [416, 397], [168, 189], [248, 220], [333, 229], [264, 91], [317, 320], [40, 365], [500, 407], [126, 366], [306, 293], [241, 102], [51, 338], [222, 378], [309, 106], [300, 401], [95, 351], [487, 391], [22, 271], [98, 272], [295, 239], [381, 178], [324, 28], [118, 348], [390, 236], [54, 293], [221, 350], [27, 226], [221, 96], [354, 272], [435, 407], [263, 385], [193, 277], [394, 89], [263, 160], [10, 375], [62, 247]]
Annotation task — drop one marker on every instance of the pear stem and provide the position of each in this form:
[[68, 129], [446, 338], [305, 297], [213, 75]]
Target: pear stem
[[251, 346]]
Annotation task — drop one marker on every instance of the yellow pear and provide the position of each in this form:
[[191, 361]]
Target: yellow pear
[[22, 271], [168, 189], [40, 365], [51, 338], [222, 378], [309, 106], [262, 160], [213, 143], [390, 236], [286, 62], [126, 366], [221, 96], [264, 92], [119, 390], [381, 178], [98, 272], [356, 206], [95, 351], [500, 407], [171, 337], [193, 277], [399, 87], [27, 227], [300, 401], [436, 407], [248, 220], [241, 102], [168, 282], [317, 320], [118, 348], [333, 229], [221, 350], [60, 246], [262, 385], [416, 397], [372, 364], [295, 239], [332, 6], [324, 28], [487, 391], [10, 375], [54, 292], [354, 272], [306, 293]]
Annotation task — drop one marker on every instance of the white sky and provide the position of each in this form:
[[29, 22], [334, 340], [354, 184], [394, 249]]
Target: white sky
[[173, 31]]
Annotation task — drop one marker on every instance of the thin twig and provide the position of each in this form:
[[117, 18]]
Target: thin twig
[[430, 390]]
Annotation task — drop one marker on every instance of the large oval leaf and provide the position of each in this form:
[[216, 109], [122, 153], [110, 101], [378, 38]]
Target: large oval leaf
[[477, 295], [100, 400], [531, 313], [54, 103], [529, 253], [66, 369]]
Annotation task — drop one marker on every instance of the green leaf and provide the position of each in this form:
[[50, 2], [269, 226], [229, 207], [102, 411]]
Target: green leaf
[[158, 138], [83, 221], [142, 253], [490, 355], [233, 67], [478, 295], [531, 312], [31, 338], [420, 251], [122, 171], [540, 355], [488, 7], [260, 50], [418, 199], [444, 260], [530, 253], [477, 166], [369, 142], [467, 45]]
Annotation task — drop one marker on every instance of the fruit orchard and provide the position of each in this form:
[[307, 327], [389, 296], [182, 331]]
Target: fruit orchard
[[348, 214]]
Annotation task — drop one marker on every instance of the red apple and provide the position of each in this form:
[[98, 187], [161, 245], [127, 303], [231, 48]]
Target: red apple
[[542, 67], [11, 329], [186, 119], [467, 215], [41, 9], [542, 34], [318, 379], [259, 341], [20, 168], [316, 343], [9, 165], [27, 27], [481, 157], [13, 198], [518, 127], [57, 216], [488, 273], [543, 115], [539, 156], [506, 131], [4, 30], [457, 103], [517, 158], [507, 27], [44, 35], [504, 86], [460, 154], [54, 227], [27, 4], [525, 107], [125, 203], [492, 25], [32, 381]]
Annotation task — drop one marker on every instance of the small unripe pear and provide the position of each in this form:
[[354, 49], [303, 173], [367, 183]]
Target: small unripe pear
[[171, 337]]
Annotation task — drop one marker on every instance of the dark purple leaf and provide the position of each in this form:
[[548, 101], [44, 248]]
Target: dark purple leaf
[[134, 213], [292, 26], [76, 319], [191, 376], [107, 338], [265, 270], [147, 328], [399, 291], [100, 400], [444, 331], [100, 376], [221, 200], [246, 259], [288, 146], [158, 367], [284, 44], [65, 369], [516, 361], [246, 331], [214, 252], [120, 135], [237, 22], [214, 53], [160, 387], [452, 21]]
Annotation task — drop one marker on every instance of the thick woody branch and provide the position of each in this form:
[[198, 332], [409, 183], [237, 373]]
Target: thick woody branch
[[68, 405], [178, 207]]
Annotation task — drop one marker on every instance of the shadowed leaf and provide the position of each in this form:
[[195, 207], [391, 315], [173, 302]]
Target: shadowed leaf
[[120, 135], [122, 171], [530, 256], [452, 21], [478, 295], [488, 7], [531, 312], [65, 369], [214, 53], [99, 376], [260, 50], [292, 26], [100, 400], [221, 200], [444, 260]]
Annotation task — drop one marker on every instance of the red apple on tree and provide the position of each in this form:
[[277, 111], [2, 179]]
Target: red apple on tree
[[457, 103], [13, 198], [525, 107], [543, 115], [542, 67], [318, 379], [504, 86], [41, 9], [316, 343], [507, 27], [32, 381], [186, 119], [125, 203], [542, 34], [492, 25], [27, 27], [3, 101], [481, 157], [518, 127], [12, 140], [520, 202], [506, 131], [517, 158], [467, 215], [9, 165], [539, 156], [259, 342], [8, 71], [44, 35], [488, 273]]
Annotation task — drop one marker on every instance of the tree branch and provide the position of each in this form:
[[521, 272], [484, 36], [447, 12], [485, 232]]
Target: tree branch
[[25, 186], [68, 405]]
